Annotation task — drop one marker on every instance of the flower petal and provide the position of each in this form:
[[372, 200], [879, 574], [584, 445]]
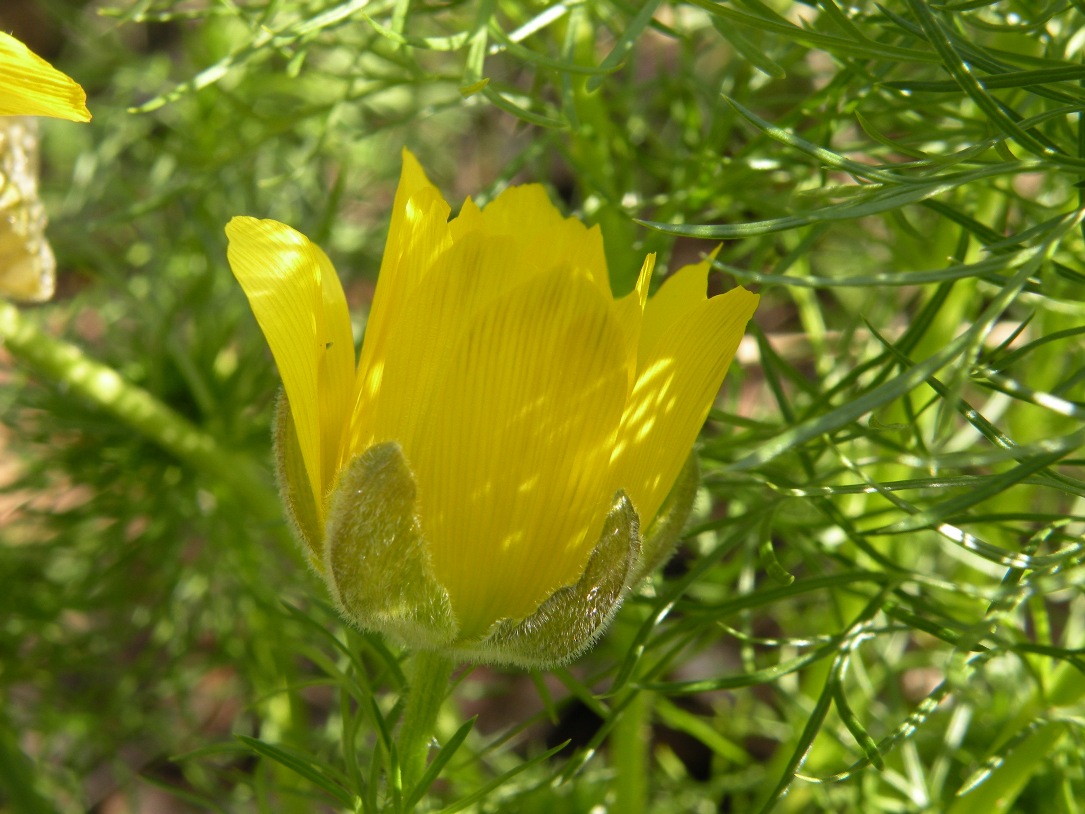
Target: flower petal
[[299, 303], [631, 313], [418, 234], [512, 457], [478, 257], [687, 344], [30, 86], [680, 293], [474, 272], [541, 231]]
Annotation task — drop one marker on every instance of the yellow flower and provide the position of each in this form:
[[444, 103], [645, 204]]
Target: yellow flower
[[30, 86], [486, 478]]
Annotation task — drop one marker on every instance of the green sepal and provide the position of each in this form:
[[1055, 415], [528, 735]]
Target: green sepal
[[295, 491], [573, 617], [376, 562], [662, 536]]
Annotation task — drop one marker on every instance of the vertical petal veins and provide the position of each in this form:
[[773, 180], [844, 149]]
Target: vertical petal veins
[[299, 305], [502, 399], [30, 86], [686, 346], [417, 238], [512, 461]]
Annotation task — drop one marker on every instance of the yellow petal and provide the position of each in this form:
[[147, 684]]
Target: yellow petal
[[474, 259], [30, 86], [680, 293], [417, 236], [540, 229], [27, 264], [630, 309], [424, 334], [474, 272], [469, 220], [687, 344], [481, 264], [512, 457], [299, 303], [436, 274]]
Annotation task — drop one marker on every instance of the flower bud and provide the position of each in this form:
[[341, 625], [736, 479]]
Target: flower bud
[[481, 481]]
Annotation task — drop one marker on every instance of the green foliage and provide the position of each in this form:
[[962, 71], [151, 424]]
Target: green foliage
[[880, 607]]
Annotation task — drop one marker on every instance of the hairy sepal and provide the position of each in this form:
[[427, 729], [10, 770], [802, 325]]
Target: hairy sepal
[[575, 616], [376, 562], [663, 535], [294, 490]]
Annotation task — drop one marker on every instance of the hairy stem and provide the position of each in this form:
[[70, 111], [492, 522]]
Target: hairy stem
[[429, 675]]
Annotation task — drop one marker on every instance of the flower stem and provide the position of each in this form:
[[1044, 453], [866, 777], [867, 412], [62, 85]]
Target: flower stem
[[135, 407], [429, 675], [630, 742]]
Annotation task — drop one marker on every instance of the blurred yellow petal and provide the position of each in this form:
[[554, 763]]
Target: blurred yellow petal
[[687, 345], [30, 86], [512, 461], [299, 304], [27, 263]]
